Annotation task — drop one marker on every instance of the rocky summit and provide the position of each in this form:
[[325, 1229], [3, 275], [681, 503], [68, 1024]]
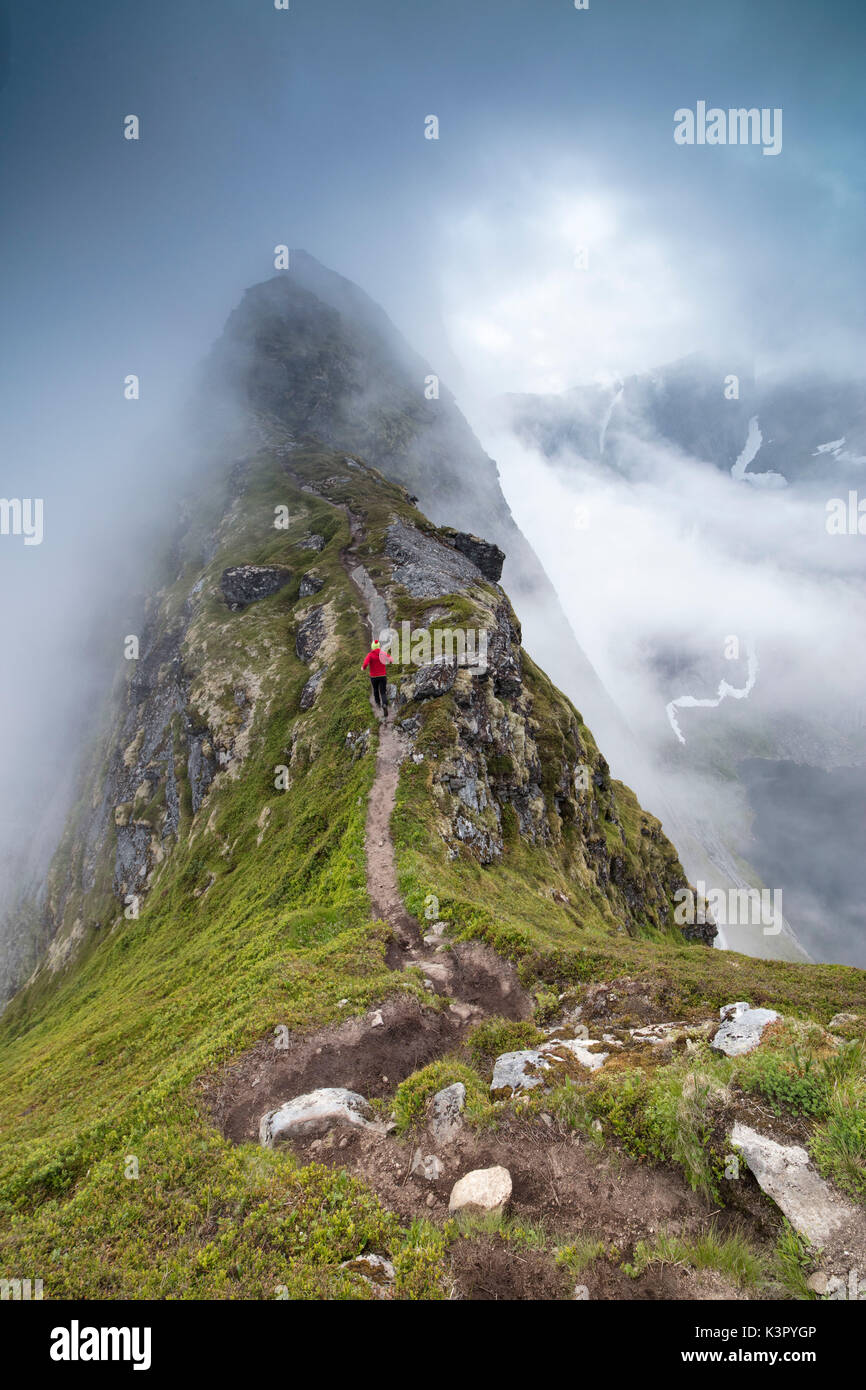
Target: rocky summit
[[354, 1007]]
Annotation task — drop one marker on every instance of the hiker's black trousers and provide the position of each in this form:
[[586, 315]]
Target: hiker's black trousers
[[380, 691]]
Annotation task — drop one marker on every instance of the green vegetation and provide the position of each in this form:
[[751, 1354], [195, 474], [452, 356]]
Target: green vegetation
[[580, 1253], [791, 1262], [525, 1235], [651, 1115], [496, 1035], [730, 1254]]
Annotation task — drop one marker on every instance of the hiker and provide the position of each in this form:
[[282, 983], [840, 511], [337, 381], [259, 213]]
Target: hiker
[[378, 660]]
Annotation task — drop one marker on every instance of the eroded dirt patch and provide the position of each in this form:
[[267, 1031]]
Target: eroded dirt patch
[[358, 1054], [487, 1270], [562, 1184]]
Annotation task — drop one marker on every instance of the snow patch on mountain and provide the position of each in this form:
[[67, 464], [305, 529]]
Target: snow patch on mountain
[[614, 402], [724, 690], [754, 440], [836, 449]]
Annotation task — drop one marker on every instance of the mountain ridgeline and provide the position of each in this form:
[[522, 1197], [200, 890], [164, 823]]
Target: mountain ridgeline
[[268, 904], [249, 663]]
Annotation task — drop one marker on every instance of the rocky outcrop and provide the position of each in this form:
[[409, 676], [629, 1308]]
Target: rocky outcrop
[[446, 1112], [742, 1028], [486, 556], [245, 584], [311, 689], [437, 678], [310, 635], [785, 1173], [424, 566], [518, 1071], [514, 1072], [310, 584]]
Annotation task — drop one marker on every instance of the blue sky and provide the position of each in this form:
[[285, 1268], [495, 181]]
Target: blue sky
[[306, 126]]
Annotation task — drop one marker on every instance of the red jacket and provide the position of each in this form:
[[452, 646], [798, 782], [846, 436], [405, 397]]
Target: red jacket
[[376, 663]]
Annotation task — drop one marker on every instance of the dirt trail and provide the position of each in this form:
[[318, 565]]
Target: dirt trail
[[477, 980], [382, 884]]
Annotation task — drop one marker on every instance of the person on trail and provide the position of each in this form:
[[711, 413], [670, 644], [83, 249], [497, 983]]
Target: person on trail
[[378, 660]]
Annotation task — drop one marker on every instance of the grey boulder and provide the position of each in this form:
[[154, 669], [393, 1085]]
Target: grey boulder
[[311, 635], [518, 1071], [785, 1173], [310, 584], [446, 1112], [314, 1114], [244, 584], [742, 1028]]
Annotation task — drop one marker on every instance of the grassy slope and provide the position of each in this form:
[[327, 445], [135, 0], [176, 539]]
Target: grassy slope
[[100, 1062]]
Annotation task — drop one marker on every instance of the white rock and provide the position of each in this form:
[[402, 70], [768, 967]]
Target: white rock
[[731, 1011], [484, 1190], [517, 1071], [579, 1048], [742, 1029], [377, 1021], [462, 1011], [427, 1166], [784, 1172], [657, 1033], [315, 1113]]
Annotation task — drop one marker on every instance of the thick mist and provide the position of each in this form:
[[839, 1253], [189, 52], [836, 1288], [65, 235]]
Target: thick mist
[[726, 624]]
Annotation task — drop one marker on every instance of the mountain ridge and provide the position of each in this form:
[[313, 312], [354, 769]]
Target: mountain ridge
[[282, 931]]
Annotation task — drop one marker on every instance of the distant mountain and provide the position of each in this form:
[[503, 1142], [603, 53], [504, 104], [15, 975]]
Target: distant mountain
[[812, 428]]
